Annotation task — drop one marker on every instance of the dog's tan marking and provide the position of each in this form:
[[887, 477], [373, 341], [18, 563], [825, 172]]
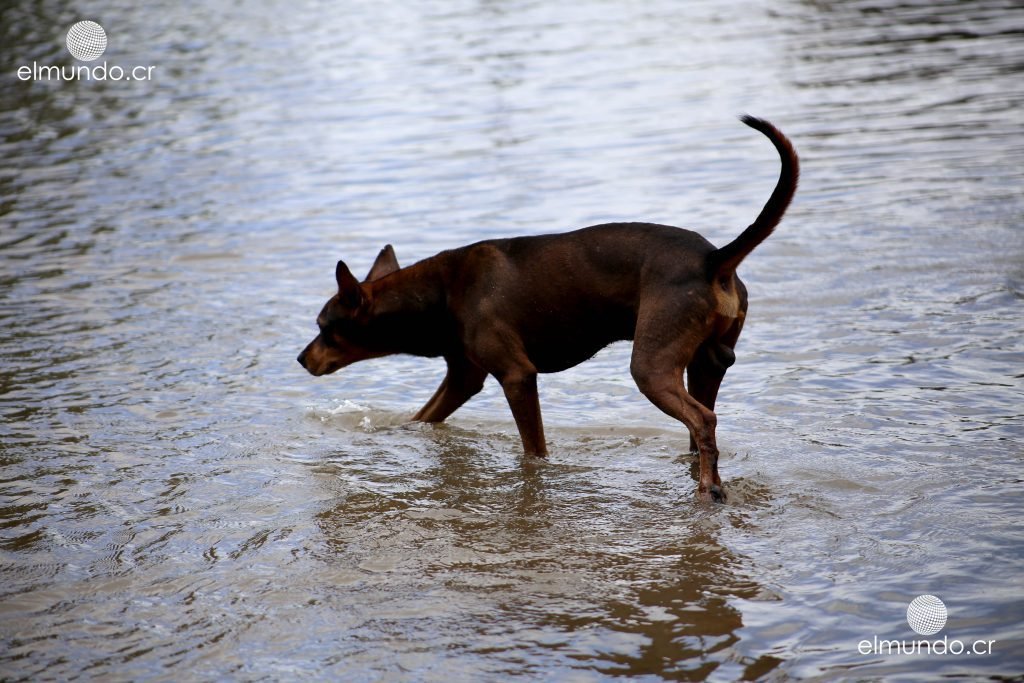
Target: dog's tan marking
[[727, 299]]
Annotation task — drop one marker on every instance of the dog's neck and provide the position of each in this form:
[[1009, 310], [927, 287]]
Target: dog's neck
[[407, 310]]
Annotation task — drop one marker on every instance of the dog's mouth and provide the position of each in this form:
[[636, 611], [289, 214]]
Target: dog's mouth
[[321, 359], [320, 369], [312, 358]]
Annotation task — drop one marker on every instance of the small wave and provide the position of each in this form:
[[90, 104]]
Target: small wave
[[352, 416]]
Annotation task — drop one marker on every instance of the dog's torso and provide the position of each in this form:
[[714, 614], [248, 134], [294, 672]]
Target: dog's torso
[[569, 295]]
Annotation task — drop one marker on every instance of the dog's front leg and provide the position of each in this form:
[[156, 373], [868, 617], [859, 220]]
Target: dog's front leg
[[520, 386], [463, 381]]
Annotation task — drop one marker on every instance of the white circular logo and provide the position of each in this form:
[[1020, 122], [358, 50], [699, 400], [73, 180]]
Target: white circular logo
[[926, 615], [86, 40]]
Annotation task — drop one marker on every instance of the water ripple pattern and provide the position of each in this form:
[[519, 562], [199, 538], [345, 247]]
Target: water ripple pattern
[[178, 499]]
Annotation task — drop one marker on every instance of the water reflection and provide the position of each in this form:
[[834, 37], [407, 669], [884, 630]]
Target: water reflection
[[644, 589]]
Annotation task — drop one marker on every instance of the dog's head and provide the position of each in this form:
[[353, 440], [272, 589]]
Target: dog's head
[[344, 321]]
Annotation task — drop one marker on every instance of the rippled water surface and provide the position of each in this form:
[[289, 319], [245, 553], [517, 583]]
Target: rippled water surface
[[180, 500]]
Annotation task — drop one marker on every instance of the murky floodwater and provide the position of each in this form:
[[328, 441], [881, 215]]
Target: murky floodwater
[[179, 499]]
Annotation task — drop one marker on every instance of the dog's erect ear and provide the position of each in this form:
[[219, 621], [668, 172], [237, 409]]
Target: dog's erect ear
[[385, 264], [350, 293]]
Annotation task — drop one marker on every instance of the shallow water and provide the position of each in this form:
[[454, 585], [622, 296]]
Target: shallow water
[[179, 499]]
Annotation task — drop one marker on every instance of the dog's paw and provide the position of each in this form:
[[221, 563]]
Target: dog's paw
[[715, 495]]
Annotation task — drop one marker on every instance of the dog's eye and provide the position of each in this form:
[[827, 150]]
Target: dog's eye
[[332, 335], [328, 336]]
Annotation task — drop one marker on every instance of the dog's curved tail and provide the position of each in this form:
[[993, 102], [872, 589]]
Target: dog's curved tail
[[724, 261]]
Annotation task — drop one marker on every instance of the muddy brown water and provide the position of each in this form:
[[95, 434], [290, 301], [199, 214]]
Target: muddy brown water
[[180, 501]]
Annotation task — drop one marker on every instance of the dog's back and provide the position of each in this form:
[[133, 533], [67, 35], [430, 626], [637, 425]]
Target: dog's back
[[568, 295]]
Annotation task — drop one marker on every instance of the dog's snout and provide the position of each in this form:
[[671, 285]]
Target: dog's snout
[[302, 358]]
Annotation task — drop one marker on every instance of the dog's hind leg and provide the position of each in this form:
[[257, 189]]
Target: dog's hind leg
[[660, 378], [463, 381], [703, 378], [707, 368]]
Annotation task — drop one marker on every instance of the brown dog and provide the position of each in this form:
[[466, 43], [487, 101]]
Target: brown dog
[[515, 307]]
